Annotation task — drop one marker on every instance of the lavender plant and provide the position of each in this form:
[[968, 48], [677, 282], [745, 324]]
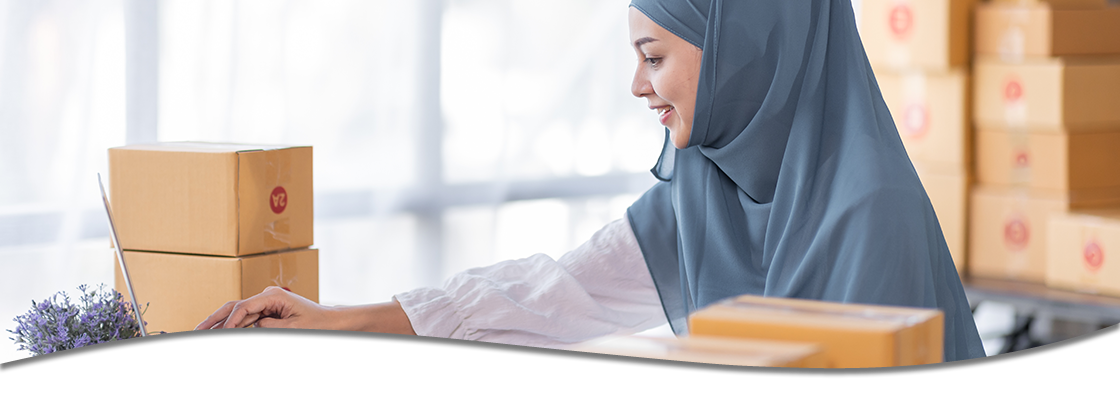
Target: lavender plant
[[53, 325]]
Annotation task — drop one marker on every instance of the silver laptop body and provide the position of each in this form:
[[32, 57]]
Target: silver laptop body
[[264, 354]]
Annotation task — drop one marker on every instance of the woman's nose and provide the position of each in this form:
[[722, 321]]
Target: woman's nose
[[640, 86]]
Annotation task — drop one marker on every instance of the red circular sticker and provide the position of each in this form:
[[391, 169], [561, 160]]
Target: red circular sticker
[[1013, 91], [1022, 159], [1094, 256], [1016, 233], [916, 120], [278, 200], [901, 21]]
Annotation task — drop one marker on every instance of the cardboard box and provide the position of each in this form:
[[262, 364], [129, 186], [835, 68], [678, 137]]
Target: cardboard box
[[214, 199], [1015, 33], [949, 195], [365, 352], [1054, 3], [1007, 233], [1084, 165], [712, 350], [916, 34], [931, 111], [1081, 252], [1072, 94], [182, 290], [853, 335]]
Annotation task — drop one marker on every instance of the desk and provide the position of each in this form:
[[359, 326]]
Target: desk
[[1034, 298], [1046, 315]]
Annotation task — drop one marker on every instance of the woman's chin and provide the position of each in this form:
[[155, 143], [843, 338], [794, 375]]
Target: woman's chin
[[678, 141]]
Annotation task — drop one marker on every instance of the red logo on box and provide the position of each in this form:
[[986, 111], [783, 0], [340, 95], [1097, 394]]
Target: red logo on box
[[278, 200], [1013, 91], [916, 120], [1094, 256], [901, 21], [1022, 159], [1016, 233]]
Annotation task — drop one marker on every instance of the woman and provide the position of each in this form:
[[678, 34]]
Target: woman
[[782, 175]]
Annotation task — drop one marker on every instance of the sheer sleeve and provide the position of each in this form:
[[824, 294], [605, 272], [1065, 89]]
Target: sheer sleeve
[[602, 287]]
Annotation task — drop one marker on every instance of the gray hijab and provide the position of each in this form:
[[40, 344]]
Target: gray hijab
[[794, 182]]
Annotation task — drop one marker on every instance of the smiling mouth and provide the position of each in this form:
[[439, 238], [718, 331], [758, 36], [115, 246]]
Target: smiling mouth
[[663, 113]]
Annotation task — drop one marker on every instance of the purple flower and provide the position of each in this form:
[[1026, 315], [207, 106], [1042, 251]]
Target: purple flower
[[55, 325]]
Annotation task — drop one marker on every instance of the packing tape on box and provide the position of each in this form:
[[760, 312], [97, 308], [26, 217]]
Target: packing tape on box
[[1017, 235], [916, 116], [908, 320], [278, 232], [900, 24], [1092, 249], [279, 280], [1014, 102], [1012, 41], [1020, 157]]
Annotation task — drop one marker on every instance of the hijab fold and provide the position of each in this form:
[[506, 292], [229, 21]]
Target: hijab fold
[[794, 182]]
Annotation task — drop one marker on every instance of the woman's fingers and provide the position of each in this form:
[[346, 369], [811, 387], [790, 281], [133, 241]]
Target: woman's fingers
[[268, 309], [217, 318]]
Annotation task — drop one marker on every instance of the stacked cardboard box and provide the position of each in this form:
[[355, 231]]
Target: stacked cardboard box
[[205, 223], [1081, 252], [851, 335], [1047, 115], [202, 224], [920, 52]]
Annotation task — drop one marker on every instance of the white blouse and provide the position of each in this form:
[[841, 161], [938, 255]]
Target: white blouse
[[602, 287]]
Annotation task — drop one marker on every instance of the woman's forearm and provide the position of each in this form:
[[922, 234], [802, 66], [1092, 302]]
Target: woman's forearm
[[386, 317]]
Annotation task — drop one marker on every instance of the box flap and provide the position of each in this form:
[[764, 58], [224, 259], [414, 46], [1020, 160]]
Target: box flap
[[204, 147]]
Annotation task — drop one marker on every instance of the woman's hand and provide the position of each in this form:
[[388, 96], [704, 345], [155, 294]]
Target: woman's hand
[[279, 308], [272, 308]]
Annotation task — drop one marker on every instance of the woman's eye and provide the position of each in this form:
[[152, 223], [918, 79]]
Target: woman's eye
[[653, 62]]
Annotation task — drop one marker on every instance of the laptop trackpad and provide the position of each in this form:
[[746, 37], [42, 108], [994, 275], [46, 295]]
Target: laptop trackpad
[[309, 357]]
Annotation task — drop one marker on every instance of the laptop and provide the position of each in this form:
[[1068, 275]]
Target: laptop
[[251, 355]]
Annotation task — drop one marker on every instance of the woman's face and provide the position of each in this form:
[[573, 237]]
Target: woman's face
[[667, 75]]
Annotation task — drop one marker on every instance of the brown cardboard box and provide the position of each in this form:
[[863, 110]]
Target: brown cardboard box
[[1074, 94], [1015, 33], [931, 111], [712, 350], [365, 352], [1055, 3], [182, 290], [916, 34], [1082, 165], [853, 335], [1007, 233], [214, 199], [1081, 252], [949, 195]]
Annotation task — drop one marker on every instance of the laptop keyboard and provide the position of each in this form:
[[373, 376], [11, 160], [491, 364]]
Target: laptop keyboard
[[231, 355]]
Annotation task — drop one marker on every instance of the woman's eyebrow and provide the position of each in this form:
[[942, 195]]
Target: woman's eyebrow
[[638, 43]]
